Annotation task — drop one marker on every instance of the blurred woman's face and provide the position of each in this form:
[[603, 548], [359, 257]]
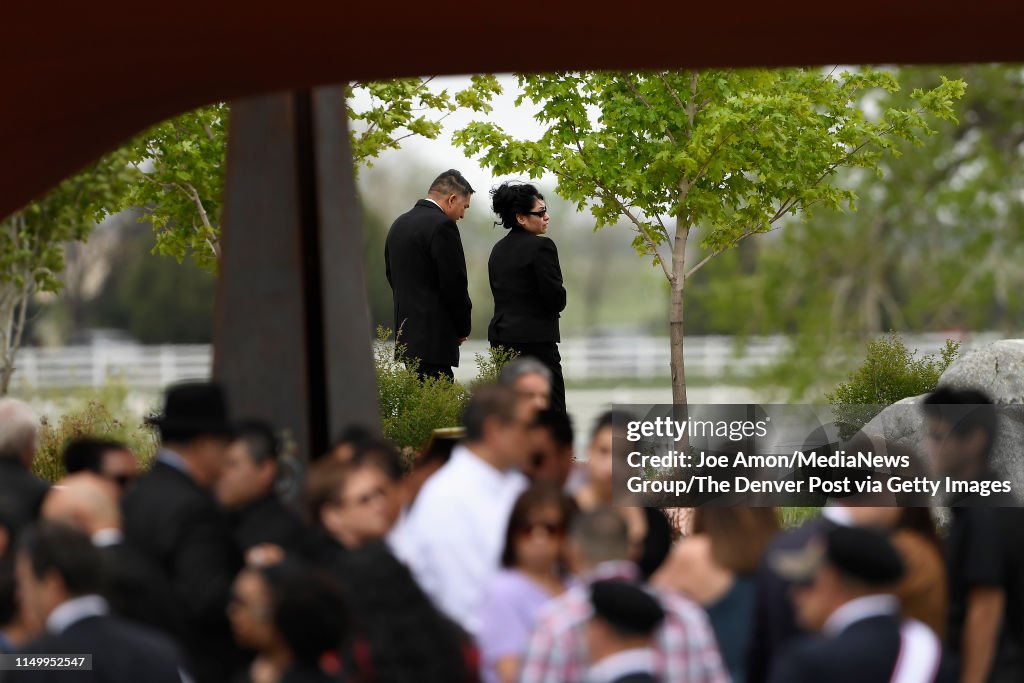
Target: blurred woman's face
[[599, 462], [364, 512], [250, 612], [536, 221], [539, 540]]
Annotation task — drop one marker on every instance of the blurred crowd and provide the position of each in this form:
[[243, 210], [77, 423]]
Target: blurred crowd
[[493, 555]]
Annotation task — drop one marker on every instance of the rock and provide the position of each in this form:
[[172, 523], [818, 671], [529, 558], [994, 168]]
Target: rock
[[996, 369]]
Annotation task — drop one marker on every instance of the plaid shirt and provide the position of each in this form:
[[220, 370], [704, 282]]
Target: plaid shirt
[[685, 647]]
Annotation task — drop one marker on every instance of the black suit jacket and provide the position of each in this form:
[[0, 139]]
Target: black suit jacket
[[865, 652], [526, 282], [121, 652], [775, 624], [178, 524], [426, 268], [267, 520], [21, 492], [138, 590]]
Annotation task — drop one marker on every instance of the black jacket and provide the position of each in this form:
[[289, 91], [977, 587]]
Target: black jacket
[[137, 590], [267, 520], [178, 524], [865, 652], [21, 492], [526, 282], [426, 268], [121, 652]]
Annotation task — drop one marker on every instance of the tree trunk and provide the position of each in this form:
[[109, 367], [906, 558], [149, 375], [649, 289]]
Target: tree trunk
[[675, 328]]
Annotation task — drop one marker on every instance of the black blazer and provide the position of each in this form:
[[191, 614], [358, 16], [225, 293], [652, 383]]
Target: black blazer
[[21, 492], [267, 520], [426, 268], [121, 652], [526, 282], [865, 652], [178, 524], [137, 590]]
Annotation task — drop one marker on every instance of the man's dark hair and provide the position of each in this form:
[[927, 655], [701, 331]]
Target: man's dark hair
[[486, 402], [964, 410], [510, 199], [451, 182], [602, 535], [261, 441], [382, 453], [52, 546], [308, 609], [558, 424], [353, 435], [605, 419], [85, 454]]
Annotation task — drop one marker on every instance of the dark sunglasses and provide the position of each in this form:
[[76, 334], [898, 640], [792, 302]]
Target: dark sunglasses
[[540, 214], [528, 528], [123, 481]]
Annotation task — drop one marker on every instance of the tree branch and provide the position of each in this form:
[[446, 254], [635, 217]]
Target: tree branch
[[636, 93]]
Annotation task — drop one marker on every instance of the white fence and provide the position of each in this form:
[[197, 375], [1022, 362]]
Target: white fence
[[583, 358]]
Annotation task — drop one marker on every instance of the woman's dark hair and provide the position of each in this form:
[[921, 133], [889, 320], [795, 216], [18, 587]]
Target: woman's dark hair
[[512, 198], [407, 637], [920, 521], [308, 609], [537, 496]]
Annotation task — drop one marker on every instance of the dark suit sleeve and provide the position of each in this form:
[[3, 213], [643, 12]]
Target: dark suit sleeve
[[549, 276], [792, 667], [203, 565], [447, 254], [387, 265]]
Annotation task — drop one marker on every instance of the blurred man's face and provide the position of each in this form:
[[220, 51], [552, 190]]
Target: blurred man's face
[[364, 511], [815, 602], [599, 461], [208, 461], [951, 454], [242, 481], [121, 467], [513, 438], [549, 461], [37, 597], [532, 387]]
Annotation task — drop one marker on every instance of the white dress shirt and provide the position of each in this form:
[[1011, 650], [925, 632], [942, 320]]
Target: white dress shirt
[[454, 535], [73, 611], [860, 609]]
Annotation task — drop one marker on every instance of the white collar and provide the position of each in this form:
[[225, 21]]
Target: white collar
[[613, 667], [436, 204], [104, 538], [838, 514], [860, 609], [73, 611]]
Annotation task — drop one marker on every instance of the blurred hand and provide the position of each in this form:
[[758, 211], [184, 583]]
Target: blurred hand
[[462, 339], [264, 555]]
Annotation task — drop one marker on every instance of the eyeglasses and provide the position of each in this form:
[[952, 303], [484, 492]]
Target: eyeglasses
[[366, 498], [552, 528], [540, 214]]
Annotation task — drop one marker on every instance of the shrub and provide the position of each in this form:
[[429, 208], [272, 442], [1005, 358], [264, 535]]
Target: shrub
[[890, 372], [103, 415], [411, 408]]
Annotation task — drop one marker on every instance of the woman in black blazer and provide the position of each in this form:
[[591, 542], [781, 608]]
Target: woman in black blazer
[[526, 282]]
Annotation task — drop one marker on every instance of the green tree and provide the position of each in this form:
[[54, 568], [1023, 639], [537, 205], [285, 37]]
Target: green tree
[[728, 154], [32, 244], [182, 160]]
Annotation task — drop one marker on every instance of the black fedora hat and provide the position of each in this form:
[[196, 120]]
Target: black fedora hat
[[194, 409]]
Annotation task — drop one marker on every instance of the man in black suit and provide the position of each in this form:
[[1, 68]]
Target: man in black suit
[[842, 580], [132, 584], [426, 268], [172, 516], [246, 489], [22, 491], [58, 572], [620, 634]]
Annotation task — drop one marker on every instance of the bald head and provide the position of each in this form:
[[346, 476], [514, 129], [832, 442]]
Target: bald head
[[19, 431], [85, 501]]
